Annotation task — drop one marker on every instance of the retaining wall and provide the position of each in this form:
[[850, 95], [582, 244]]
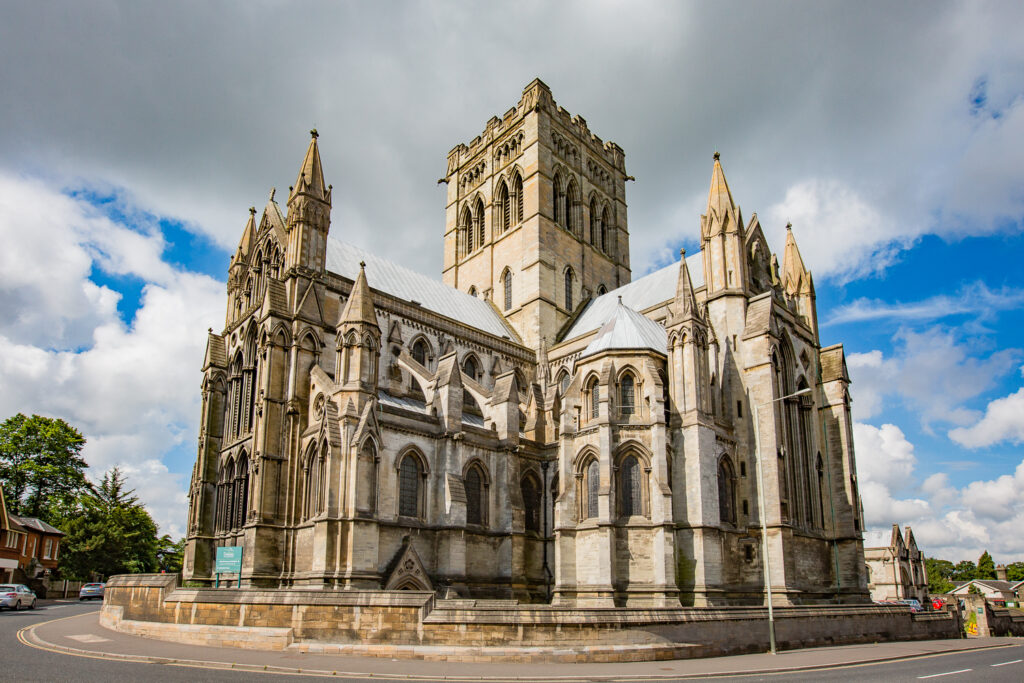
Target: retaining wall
[[416, 624]]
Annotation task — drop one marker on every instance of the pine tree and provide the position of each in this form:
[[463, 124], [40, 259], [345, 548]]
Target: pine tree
[[986, 567]]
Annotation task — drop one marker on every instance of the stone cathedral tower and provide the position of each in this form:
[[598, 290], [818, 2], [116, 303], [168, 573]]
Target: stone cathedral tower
[[536, 216]]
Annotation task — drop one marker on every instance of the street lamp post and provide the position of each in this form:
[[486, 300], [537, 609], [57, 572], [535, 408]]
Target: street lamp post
[[761, 512]]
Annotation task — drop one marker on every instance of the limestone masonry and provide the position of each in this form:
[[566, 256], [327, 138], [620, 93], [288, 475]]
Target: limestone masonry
[[539, 426]]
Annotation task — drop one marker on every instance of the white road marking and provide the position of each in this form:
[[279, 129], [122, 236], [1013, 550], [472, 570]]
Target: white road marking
[[89, 638], [948, 673], [1016, 661]]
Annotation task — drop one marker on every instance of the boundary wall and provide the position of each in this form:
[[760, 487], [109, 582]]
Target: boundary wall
[[416, 624]]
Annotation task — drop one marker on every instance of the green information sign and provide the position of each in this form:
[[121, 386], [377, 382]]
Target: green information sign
[[229, 559]]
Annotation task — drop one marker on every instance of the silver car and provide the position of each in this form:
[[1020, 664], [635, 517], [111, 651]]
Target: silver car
[[17, 596], [91, 590]]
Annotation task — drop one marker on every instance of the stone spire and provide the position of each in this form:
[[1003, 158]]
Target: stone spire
[[245, 244], [311, 174], [543, 367], [796, 279], [720, 201], [359, 307], [685, 303]]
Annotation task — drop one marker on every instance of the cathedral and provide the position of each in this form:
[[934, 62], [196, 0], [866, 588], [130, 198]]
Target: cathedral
[[537, 425]]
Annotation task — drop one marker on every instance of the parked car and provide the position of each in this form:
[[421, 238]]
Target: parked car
[[913, 604], [91, 591], [17, 596]]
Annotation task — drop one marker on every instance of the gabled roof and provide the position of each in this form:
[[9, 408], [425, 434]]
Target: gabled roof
[[343, 259], [652, 289], [627, 329]]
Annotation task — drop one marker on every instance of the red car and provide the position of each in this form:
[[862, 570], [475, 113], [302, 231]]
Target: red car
[[938, 604]]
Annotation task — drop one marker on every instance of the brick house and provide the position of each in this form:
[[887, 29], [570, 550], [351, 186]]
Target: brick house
[[28, 544]]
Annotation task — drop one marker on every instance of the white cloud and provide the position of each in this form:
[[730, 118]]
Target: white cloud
[[126, 387], [1003, 421], [950, 522], [932, 370], [975, 299], [838, 231]]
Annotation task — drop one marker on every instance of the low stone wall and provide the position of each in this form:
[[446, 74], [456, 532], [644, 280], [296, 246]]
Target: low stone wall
[[416, 624]]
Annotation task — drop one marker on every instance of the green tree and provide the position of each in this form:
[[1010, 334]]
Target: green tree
[[40, 465], [964, 571], [940, 573], [110, 533], [169, 554], [1015, 571], [986, 567]]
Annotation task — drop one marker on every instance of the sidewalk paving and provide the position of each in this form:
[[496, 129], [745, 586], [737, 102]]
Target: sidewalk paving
[[82, 634]]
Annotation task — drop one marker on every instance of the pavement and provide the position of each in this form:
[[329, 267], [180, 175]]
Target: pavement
[[82, 635]]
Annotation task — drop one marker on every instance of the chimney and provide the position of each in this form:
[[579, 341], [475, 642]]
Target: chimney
[[1001, 572]]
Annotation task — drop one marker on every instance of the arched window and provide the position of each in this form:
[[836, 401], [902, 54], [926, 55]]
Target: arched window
[[592, 486], [366, 491], [594, 392], [476, 497], [568, 289], [472, 290], [419, 352], [478, 223], [726, 491], [465, 234], [601, 289], [517, 199], [470, 368], [572, 209], [506, 281], [241, 495], [627, 395], [558, 200], [563, 381], [595, 222], [630, 493], [409, 486], [605, 222], [530, 489], [504, 207]]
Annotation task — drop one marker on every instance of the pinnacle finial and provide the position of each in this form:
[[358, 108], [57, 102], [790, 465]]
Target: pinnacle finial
[[314, 134], [252, 210], [273, 191], [789, 226], [362, 265], [682, 252], [620, 299], [717, 155]]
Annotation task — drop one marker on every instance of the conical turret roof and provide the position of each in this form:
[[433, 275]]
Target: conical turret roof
[[627, 329], [685, 304], [311, 174], [359, 307]]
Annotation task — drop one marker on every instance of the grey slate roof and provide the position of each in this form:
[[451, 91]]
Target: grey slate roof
[[650, 290], [37, 524], [385, 276], [627, 329]]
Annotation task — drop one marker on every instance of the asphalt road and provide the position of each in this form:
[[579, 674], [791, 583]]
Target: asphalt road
[[23, 663]]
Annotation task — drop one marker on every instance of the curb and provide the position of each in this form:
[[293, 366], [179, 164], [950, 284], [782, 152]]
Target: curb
[[28, 636]]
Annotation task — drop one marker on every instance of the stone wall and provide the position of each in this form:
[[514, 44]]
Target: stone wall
[[155, 606]]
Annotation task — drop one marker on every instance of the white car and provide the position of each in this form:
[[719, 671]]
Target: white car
[[17, 596]]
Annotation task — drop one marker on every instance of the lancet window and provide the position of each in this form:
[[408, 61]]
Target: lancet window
[[476, 496], [530, 489], [410, 475], [726, 491], [630, 487]]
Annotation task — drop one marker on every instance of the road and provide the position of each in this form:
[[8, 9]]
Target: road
[[24, 663]]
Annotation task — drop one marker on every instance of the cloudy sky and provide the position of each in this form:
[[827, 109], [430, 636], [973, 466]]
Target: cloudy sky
[[134, 136]]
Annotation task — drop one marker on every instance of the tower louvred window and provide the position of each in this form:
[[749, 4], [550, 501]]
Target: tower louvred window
[[504, 206], [517, 199]]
